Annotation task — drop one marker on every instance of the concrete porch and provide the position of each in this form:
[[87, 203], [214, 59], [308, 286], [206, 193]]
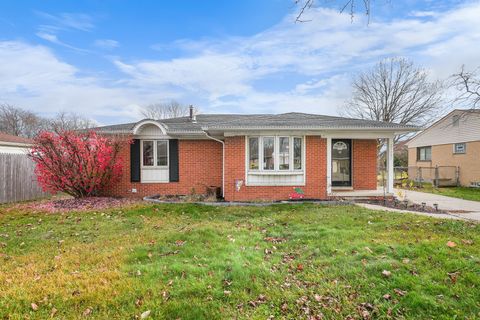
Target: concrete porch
[[359, 194]]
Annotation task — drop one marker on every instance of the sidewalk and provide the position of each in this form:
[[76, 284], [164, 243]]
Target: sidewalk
[[444, 203]]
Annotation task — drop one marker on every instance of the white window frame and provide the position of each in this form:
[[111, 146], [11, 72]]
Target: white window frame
[[276, 155], [458, 152], [155, 159]]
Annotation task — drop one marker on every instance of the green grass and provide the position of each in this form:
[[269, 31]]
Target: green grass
[[455, 192], [199, 262]]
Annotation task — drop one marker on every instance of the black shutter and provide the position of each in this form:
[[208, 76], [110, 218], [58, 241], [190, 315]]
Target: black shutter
[[173, 160], [135, 161]]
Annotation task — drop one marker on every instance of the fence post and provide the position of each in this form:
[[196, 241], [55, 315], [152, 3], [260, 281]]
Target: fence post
[[436, 177], [457, 175], [419, 177]]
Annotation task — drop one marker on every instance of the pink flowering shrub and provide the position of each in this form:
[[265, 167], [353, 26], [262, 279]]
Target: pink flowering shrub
[[79, 164]]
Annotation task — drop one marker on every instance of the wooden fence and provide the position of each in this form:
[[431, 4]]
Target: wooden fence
[[17, 179]]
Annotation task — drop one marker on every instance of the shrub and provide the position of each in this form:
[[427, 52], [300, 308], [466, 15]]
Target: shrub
[[78, 163]]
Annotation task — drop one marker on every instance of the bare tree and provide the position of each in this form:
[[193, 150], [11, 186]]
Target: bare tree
[[19, 122], [468, 85], [395, 90], [67, 121], [172, 109], [350, 6]]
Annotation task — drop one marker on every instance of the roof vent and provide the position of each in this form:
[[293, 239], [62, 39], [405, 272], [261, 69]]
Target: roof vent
[[193, 117]]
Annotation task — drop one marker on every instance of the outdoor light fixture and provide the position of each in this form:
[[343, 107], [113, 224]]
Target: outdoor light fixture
[[435, 205], [423, 205]]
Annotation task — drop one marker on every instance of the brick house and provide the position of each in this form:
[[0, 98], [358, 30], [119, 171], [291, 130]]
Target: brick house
[[452, 141], [253, 157]]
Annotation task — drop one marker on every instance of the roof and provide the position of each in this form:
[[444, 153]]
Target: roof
[[284, 121], [14, 140]]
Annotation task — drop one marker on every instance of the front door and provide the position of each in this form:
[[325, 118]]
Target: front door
[[341, 162]]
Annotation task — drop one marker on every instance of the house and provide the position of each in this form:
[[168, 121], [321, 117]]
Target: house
[[14, 144], [451, 142], [254, 157]]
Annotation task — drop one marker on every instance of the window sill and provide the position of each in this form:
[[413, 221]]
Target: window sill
[[154, 168], [275, 173]]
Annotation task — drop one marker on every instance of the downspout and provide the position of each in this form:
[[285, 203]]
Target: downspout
[[223, 160]]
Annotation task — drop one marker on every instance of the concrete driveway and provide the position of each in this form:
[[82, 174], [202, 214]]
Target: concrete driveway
[[454, 205]]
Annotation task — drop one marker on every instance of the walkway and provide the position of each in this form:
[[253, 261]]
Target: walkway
[[455, 206]]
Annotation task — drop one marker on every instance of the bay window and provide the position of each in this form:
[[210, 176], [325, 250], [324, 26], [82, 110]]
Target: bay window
[[275, 154], [154, 153], [268, 153], [253, 153]]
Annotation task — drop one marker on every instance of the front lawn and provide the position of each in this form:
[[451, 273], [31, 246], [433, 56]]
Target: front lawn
[[455, 192], [199, 262]]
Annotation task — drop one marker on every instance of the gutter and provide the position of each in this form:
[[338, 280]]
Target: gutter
[[223, 160]]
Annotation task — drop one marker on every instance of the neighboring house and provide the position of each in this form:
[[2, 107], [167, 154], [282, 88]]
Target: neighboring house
[[453, 141], [14, 144], [253, 157]]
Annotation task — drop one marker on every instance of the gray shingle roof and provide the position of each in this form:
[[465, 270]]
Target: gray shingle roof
[[286, 121]]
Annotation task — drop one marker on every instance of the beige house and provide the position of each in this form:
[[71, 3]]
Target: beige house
[[453, 141]]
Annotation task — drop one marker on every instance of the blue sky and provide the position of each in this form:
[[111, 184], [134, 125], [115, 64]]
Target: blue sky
[[106, 59]]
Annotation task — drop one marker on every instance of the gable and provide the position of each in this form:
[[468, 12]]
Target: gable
[[445, 132]]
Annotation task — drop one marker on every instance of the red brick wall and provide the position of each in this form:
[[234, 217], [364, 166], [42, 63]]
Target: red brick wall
[[364, 164], [316, 163], [200, 165]]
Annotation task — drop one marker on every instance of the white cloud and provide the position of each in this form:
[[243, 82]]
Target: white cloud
[[227, 72], [78, 21], [106, 44], [289, 67]]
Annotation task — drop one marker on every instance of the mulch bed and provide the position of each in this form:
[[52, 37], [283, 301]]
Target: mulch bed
[[401, 206], [71, 204]]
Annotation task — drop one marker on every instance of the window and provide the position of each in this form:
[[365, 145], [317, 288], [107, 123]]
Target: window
[[148, 153], [276, 153], [284, 153], [162, 153], [253, 153], [297, 153], [424, 153], [155, 153], [268, 150], [459, 148]]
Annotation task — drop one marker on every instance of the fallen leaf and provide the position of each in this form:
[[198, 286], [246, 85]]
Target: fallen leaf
[[451, 244], [227, 293], [145, 314], [368, 250], [469, 242], [400, 292], [34, 306], [406, 261], [386, 273], [179, 243], [299, 267], [387, 296], [453, 276], [53, 313], [87, 312]]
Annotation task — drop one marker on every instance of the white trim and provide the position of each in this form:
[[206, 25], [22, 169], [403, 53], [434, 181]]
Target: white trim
[[390, 170], [140, 124], [329, 165]]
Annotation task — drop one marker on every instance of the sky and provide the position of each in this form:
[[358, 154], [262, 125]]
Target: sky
[[106, 59]]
